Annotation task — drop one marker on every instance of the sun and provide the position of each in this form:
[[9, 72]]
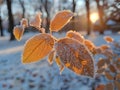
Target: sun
[[94, 17]]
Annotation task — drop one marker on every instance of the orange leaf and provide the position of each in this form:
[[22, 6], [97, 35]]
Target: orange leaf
[[60, 20], [101, 63], [37, 48], [109, 76], [100, 87], [36, 22], [75, 35], [51, 56], [82, 64], [109, 86], [108, 39], [117, 84], [60, 65], [18, 32], [24, 22]]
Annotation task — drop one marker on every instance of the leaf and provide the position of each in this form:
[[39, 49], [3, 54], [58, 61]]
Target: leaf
[[109, 86], [108, 39], [36, 22], [109, 76], [18, 32], [118, 76], [75, 35], [117, 84], [24, 22], [60, 20], [51, 56], [75, 56], [37, 48], [101, 63], [112, 68], [89, 45], [100, 87], [104, 47], [60, 65], [101, 70]]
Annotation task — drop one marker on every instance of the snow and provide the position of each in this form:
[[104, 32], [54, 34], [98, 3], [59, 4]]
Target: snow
[[39, 76]]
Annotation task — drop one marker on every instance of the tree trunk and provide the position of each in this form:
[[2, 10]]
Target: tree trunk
[[23, 8], [73, 10], [87, 2], [100, 11], [48, 16], [1, 28], [10, 18]]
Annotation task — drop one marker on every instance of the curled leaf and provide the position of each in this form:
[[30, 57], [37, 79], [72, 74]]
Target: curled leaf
[[37, 48], [51, 56], [36, 22], [24, 22], [60, 20], [59, 63], [75, 35], [75, 56], [18, 32]]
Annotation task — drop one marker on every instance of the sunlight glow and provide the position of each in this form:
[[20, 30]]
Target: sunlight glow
[[94, 17]]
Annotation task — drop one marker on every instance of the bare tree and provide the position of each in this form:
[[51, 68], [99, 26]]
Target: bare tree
[[23, 8], [1, 28], [87, 3], [46, 4], [101, 14], [10, 17]]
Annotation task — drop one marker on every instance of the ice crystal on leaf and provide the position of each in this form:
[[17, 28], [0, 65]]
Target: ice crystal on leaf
[[82, 63], [75, 35]]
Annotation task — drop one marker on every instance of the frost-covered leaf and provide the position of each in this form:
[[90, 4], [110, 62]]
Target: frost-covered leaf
[[75, 35], [108, 39], [101, 63], [36, 22], [60, 20], [101, 70], [89, 45], [75, 56], [118, 76], [109, 76], [112, 68], [117, 84], [24, 22], [37, 48], [51, 56], [18, 32], [100, 87], [108, 53], [109, 86], [104, 47], [59, 63]]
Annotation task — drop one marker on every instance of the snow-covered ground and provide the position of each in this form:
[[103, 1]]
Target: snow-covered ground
[[39, 76]]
